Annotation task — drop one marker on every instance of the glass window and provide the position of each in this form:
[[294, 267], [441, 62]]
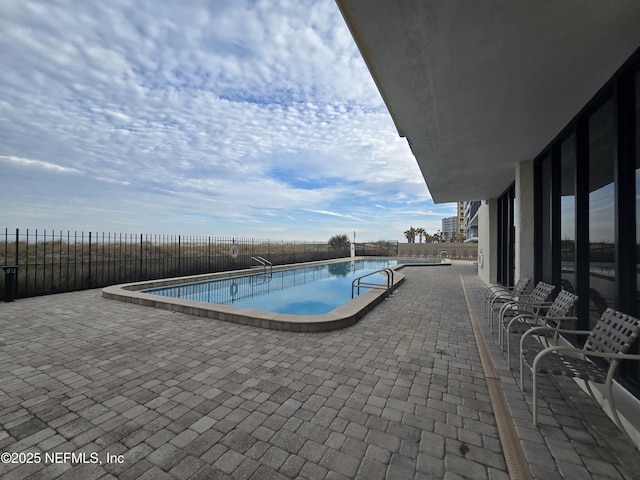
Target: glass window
[[602, 158], [596, 240], [546, 227], [506, 237], [637, 94], [568, 213]]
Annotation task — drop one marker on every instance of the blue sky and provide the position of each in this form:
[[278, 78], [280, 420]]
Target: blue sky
[[225, 118]]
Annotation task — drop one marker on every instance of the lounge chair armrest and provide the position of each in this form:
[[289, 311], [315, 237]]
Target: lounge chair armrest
[[535, 330], [528, 315], [525, 303], [496, 295], [507, 304], [523, 295], [528, 318], [500, 300], [613, 366], [523, 316], [559, 319], [588, 353], [554, 330], [541, 318], [491, 288], [517, 303]]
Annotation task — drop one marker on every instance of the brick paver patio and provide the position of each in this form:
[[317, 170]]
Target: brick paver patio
[[154, 394]]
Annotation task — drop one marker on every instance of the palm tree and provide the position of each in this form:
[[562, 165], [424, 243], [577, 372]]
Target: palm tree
[[420, 232], [411, 235], [339, 241]]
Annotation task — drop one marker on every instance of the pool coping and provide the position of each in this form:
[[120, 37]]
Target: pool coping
[[340, 317]]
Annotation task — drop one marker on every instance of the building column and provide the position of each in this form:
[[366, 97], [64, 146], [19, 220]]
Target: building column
[[524, 224], [488, 241]]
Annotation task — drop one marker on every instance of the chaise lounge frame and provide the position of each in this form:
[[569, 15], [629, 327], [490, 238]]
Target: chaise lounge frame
[[611, 339], [498, 294], [557, 315], [531, 303]]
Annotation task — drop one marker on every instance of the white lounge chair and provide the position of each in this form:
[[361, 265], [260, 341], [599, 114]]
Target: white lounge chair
[[558, 314], [533, 302], [499, 294], [611, 339]]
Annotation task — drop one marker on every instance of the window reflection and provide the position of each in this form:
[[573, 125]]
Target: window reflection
[[568, 213], [589, 223], [546, 227], [602, 155], [638, 188]]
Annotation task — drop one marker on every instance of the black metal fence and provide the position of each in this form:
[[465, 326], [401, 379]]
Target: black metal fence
[[54, 261]]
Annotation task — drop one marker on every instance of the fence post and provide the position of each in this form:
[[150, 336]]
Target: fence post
[[89, 258], [179, 256]]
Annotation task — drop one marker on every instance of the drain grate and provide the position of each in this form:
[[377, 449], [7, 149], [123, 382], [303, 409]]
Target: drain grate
[[513, 454]]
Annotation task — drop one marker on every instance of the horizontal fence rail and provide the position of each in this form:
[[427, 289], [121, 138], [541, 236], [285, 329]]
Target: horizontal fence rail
[[457, 251], [52, 261]]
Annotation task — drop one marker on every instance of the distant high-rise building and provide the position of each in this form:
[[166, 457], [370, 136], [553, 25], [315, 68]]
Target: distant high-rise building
[[461, 221], [453, 228], [449, 228], [471, 220]]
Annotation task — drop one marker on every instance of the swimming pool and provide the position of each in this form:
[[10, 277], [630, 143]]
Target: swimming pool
[[304, 300], [310, 290]]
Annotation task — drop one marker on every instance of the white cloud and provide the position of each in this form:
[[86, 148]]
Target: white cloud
[[231, 111], [334, 214], [27, 162]]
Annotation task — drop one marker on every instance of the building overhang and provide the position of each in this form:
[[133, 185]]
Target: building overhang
[[477, 87]]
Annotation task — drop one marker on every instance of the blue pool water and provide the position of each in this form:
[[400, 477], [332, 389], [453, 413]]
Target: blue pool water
[[310, 290]]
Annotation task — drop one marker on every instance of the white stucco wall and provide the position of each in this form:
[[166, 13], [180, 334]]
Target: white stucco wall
[[524, 219], [524, 228], [487, 241]]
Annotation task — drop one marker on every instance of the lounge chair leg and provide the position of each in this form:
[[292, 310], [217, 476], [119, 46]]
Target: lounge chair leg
[[490, 317], [535, 399], [614, 411], [588, 387]]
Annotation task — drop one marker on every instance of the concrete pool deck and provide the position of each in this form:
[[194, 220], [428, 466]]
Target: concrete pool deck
[[401, 394]]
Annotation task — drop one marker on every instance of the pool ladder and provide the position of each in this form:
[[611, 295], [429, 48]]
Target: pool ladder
[[357, 282], [262, 263]]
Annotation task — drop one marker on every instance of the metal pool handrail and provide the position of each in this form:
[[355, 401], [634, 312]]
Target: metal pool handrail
[[264, 263], [357, 282]]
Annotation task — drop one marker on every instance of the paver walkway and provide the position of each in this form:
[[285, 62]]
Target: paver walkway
[[152, 394]]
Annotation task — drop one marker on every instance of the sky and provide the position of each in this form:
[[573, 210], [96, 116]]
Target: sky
[[224, 118]]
